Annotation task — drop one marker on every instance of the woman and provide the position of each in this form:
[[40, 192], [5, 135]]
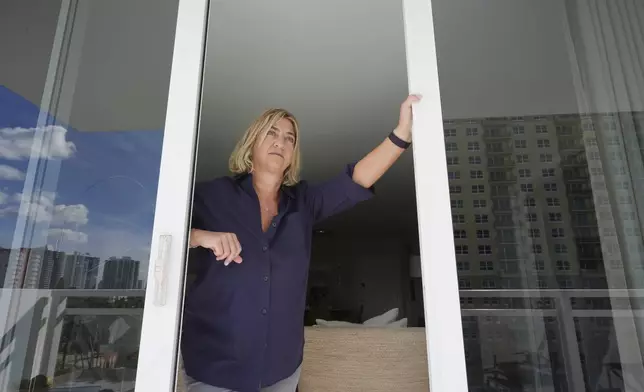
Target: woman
[[243, 327]]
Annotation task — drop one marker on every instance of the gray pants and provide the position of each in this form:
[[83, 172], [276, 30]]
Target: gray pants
[[286, 385]]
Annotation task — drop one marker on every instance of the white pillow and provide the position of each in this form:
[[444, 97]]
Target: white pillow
[[383, 319], [402, 323], [325, 323]]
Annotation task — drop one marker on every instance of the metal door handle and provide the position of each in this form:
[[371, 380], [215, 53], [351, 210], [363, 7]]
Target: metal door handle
[[160, 269]]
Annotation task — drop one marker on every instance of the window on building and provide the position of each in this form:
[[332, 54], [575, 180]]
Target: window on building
[[547, 172], [461, 234], [474, 160], [485, 250], [480, 218], [527, 188], [458, 218], [553, 201], [558, 232], [479, 203], [478, 188], [523, 158], [543, 143], [550, 187]]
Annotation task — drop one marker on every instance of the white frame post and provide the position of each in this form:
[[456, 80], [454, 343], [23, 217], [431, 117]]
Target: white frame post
[[443, 327], [156, 368]]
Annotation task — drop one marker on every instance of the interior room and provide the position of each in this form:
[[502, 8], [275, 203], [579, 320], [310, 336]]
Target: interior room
[[344, 81], [343, 75]]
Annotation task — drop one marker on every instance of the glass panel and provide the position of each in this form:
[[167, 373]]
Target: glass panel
[[83, 91], [543, 108]]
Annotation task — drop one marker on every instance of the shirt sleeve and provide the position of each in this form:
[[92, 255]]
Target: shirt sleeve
[[336, 195], [197, 257], [199, 207]]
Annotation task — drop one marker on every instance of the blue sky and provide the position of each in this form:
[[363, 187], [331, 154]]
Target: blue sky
[[99, 188]]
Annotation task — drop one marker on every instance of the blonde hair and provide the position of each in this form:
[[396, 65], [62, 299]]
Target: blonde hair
[[241, 159]]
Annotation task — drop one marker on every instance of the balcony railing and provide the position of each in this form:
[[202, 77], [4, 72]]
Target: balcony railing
[[39, 316]]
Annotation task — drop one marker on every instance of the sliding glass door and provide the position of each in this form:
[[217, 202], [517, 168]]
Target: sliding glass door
[[536, 140], [98, 108]]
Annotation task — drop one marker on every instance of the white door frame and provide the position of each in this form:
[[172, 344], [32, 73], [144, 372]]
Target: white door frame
[[157, 364], [443, 328]]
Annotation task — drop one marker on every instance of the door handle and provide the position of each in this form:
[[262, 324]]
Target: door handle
[[160, 269]]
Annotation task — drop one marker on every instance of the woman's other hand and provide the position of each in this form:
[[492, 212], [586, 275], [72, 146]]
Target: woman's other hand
[[403, 130], [225, 246]]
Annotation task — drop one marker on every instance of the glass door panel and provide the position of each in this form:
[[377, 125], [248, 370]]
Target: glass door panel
[[83, 137], [542, 133]]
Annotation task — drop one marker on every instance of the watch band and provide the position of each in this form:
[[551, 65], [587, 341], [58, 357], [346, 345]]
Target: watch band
[[398, 141]]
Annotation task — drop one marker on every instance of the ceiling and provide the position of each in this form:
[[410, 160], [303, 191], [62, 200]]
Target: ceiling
[[344, 80]]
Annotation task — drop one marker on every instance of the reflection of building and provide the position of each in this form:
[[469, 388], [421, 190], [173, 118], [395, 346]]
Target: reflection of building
[[81, 271], [4, 262], [24, 268], [527, 201], [53, 268], [120, 273], [44, 268], [541, 202]]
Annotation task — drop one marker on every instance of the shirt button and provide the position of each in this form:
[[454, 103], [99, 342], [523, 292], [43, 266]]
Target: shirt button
[[265, 278], [264, 311], [274, 224], [265, 248]]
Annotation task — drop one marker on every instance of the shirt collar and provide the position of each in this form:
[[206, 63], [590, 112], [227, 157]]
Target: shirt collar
[[245, 181]]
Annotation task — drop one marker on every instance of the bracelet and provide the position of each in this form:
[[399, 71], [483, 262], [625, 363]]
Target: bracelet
[[398, 141]]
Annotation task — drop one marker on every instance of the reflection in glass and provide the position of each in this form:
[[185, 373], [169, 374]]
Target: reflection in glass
[[543, 132], [81, 129]]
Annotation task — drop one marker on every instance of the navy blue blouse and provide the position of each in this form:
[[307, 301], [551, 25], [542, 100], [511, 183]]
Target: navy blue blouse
[[243, 325]]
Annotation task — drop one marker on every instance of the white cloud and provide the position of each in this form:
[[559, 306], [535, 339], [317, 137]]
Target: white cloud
[[68, 234], [17, 143], [38, 208], [3, 198], [10, 173], [41, 208], [76, 213], [44, 198]]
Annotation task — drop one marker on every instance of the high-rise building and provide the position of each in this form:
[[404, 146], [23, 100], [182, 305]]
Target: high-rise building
[[4, 263], [53, 268], [24, 268], [81, 271], [120, 273]]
